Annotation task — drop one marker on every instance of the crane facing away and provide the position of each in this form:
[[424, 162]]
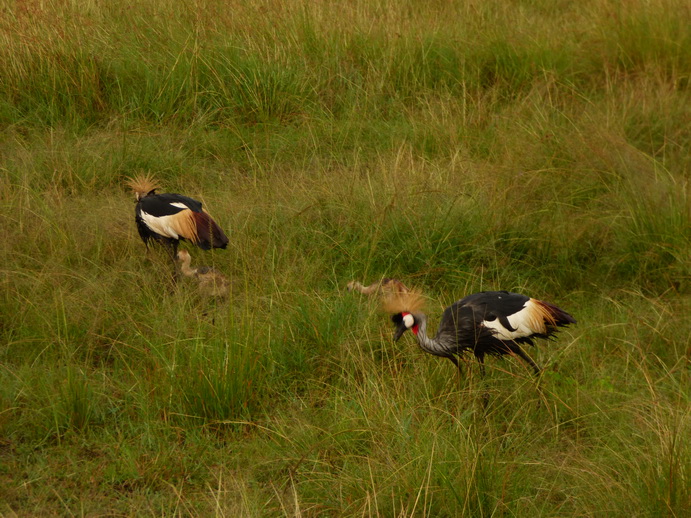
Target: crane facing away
[[489, 322], [168, 218], [212, 283]]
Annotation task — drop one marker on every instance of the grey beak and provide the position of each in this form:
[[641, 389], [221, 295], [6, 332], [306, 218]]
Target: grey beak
[[399, 331]]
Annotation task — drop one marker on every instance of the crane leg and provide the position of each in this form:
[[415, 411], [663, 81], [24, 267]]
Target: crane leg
[[521, 354], [173, 251], [485, 394], [481, 361], [457, 364]]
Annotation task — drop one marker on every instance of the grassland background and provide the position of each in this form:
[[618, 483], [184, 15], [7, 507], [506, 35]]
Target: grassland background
[[534, 146]]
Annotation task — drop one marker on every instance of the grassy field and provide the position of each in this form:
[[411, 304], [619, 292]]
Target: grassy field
[[534, 146]]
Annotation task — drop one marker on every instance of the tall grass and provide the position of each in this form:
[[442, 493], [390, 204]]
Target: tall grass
[[527, 146]]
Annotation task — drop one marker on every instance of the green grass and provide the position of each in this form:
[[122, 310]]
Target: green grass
[[532, 146]]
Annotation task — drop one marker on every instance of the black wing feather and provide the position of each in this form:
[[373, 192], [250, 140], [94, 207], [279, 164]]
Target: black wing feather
[[162, 204], [497, 303]]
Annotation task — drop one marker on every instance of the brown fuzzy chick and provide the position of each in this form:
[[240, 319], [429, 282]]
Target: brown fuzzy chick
[[385, 287], [212, 283]]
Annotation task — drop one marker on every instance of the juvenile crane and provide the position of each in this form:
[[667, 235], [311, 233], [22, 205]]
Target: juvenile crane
[[385, 286], [490, 322], [212, 283], [168, 218]]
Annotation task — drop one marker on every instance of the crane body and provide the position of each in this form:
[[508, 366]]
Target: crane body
[[487, 323], [167, 218]]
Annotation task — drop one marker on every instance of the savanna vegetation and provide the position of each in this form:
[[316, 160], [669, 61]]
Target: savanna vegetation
[[529, 145]]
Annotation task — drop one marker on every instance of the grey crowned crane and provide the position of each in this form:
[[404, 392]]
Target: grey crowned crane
[[385, 286], [487, 323], [212, 283], [168, 218]]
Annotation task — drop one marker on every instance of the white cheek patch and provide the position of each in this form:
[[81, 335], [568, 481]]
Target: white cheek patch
[[161, 225], [408, 320], [526, 322]]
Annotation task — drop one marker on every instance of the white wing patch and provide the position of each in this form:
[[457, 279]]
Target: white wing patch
[[526, 322], [179, 205], [162, 225]]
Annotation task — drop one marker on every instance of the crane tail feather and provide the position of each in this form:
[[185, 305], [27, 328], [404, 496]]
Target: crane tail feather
[[546, 317], [208, 233]]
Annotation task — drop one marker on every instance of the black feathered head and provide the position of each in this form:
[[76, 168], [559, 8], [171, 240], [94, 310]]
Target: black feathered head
[[403, 322]]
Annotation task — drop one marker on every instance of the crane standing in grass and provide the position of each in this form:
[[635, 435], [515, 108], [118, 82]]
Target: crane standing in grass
[[168, 218], [490, 322], [212, 283]]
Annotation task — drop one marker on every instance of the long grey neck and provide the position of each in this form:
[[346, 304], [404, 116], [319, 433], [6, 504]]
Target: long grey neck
[[430, 345]]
